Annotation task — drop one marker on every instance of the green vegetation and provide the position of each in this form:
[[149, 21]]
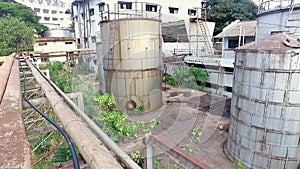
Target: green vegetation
[[16, 36], [60, 75], [240, 165], [195, 135], [23, 13], [170, 80], [17, 25], [188, 77], [47, 142], [116, 124], [223, 12], [138, 157]]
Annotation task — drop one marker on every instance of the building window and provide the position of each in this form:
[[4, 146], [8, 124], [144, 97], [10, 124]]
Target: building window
[[54, 12], [42, 43], [63, 19], [55, 19], [125, 5], [68, 43], [233, 43], [92, 12], [46, 18], [93, 38], [39, 17], [192, 12], [61, 12], [101, 6], [45, 10], [151, 7], [173, 10], [37, 9]]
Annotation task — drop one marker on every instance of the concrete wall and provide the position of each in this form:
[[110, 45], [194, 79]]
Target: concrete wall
[[56, 46], [220, 73]]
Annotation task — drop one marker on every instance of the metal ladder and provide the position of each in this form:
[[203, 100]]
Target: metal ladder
[[112, 41], [202, 26], [291, 28]]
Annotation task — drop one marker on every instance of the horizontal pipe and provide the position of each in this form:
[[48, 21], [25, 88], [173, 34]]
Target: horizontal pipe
[[53, 123], [93, 151], [103, 137], [4, 73]]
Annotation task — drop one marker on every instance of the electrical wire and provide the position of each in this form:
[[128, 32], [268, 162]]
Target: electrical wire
[[61, 130]]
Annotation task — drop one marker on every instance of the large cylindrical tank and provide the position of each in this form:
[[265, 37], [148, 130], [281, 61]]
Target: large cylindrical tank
[[264, 127], [58, 33], [132, 62], [277, 15]]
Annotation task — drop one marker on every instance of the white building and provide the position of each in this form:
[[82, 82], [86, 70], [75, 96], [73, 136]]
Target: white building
[[48, 45], [235, 35], [180, 31], [51, 13]]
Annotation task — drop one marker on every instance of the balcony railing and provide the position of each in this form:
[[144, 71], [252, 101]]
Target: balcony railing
[[136, 10]]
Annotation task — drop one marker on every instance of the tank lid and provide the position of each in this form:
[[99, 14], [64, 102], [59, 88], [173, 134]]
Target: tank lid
[[279, 42]]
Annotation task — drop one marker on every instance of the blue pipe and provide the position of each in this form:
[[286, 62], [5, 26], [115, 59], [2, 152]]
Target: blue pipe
[[61, 130]]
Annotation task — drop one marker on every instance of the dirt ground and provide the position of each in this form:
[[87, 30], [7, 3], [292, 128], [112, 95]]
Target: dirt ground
[[185, 111]]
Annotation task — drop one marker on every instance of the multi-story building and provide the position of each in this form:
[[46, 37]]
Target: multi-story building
[[51, 13], [180, 30]]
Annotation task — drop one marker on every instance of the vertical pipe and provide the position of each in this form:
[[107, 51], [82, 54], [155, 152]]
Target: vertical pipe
[[149, 154]]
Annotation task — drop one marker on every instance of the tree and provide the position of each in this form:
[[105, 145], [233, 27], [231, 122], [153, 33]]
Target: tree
[[223, 12], [23, 13], [15, 35]]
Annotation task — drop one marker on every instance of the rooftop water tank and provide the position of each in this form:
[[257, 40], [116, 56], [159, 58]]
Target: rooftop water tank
[[58, 33], [264, 130]]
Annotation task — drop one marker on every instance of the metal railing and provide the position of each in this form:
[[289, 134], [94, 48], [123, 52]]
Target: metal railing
[[269, 5], [60, 129], [136, 10]]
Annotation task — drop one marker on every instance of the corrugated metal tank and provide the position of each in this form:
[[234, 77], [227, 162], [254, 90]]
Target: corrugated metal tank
[[264, 127], [278, 18], [132, 62]]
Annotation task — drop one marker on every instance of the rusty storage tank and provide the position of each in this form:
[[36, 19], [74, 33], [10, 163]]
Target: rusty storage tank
[[132, 55], [264, 127], [277, 15]]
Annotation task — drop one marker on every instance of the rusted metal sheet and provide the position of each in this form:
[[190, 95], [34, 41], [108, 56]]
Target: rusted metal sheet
[[15, 148], [4, 73], [264, 127], [94, 152]]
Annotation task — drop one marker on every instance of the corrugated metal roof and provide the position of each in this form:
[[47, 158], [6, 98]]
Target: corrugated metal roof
[[279, 42], [243, 28]]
